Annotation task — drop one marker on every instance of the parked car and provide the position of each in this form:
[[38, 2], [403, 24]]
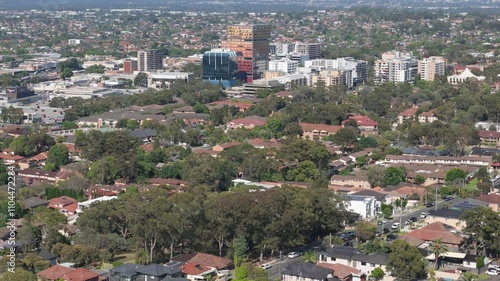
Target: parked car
[[408, 222], [492, 271], [386, 230], [448, 198], [379, 222], [413, 219], [293, 255], [429, 205], [423, 215], [266, 266], [494, 266], [391, 237], [395, 225]]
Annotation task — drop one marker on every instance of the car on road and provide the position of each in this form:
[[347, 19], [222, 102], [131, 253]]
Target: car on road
[[293, 255], [391, 237], [408, 222], [266, 266], [448, 198], [395, 225], [379, 222], [423, 215], [428, 205], [413, 219], [492, 271], [494, 266]]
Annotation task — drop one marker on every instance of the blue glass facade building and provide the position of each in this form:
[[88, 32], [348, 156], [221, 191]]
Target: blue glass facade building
[[220, 66]]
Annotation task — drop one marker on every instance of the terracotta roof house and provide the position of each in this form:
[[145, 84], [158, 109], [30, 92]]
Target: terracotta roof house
[[493, 200], [190, 270], [436, 230], [80, 274], [53, 273], [206, 260], [10, 159], [174, 182], [31, 175], [225, 146], [427, 117], [364, 123], [342, 272], [249, 122], [352, 181], [64, 204], [242, 106], [489, 138], [260, 143], [408, 115], [318, 131]]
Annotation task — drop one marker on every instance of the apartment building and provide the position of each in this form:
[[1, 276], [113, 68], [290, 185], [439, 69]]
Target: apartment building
[[395, 67], [331, 77], [284, 65], [149, 60], [357, 68], [429, 67]]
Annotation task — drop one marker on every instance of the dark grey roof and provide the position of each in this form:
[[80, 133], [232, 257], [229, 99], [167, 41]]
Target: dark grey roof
[[379, 196], [470, 257], [146, 133], [342, 252], [70, 139], [374, 258], [47, 256], [358, 197], [127, 269], [169, 278], [158, 270], [307, 270], [480, 151], [469, 203], [422, 152], [447, 213], [33, 202]]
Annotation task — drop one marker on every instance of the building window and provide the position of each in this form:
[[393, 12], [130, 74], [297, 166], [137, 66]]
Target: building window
[[363, 263], [372, 265]]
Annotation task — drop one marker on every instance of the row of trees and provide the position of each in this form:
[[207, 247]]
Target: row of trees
[[264, 222]]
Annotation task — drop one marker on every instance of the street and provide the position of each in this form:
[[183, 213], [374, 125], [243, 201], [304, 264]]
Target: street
[[273, 272], [415, 213]]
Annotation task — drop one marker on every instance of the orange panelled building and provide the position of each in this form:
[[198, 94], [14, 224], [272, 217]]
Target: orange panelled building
[[251, 42]]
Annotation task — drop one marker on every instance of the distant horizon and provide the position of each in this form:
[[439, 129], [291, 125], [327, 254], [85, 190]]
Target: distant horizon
[[256, 6]]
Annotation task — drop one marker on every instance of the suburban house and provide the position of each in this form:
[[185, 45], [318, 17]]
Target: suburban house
[[249, 122], [172, 182], [406, 192], [365, 124], [489, 138], [318, 131], [10, 159], [241, 106], [197, 272], [493, 200], [302, 271], [209, 260], [30, 175], [354, 258], [427, 117], [365, 206], [225, 146], [260, 143], [446, 216], [435, 230], [344, 272], [33, 202], [66, 205], [408, 115], [153, 272], [59, 272], [380, 197], [351, 181]]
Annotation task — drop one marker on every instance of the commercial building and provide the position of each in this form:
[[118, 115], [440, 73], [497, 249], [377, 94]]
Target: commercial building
[[17, 93], [313, 50], [252, 41], [395, 67], [220, 66], [428, 68], [357, 68], [163, 80], [465, 76], [149, 60], [129, 66], [331, 77], [285, 65]]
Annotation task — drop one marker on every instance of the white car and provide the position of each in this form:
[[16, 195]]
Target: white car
[[293, 255], [266, 266], [492, 272], [395, 225], [494, 266]]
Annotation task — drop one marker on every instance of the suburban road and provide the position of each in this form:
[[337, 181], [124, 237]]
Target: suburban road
[[273, 272]]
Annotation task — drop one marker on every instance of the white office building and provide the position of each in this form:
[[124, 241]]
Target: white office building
[[395, 67], [357, 69], [285, 65], [365, 206]]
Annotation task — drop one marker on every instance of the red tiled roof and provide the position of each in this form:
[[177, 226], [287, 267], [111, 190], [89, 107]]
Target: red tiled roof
[[194, 269], [80, 274], [309, 127], [489, 134], [433, 231], [339, 270], [429, 113], [229, 144], [248, 121], [492, 198], [205, 260], [147, 147], [168, 181], [53, 273], [10, 157], [361, 120], [71, 207], [412, 111], [409, 190], [39, 157], [64, 200]]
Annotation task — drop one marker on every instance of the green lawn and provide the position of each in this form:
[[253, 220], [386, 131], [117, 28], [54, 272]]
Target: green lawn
[[472, 183], [483, 277]]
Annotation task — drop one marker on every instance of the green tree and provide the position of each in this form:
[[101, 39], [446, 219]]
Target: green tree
[[438, 248], [66, 73], [19, 275], [310, 257], [345, 137], [377, 274], [455, 174], [240, 248], [34, 263], [405, 262], [376, 175], [365, 230], [419, 179], [141, 80], [483, 227], [393, 176], [58, 156]]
